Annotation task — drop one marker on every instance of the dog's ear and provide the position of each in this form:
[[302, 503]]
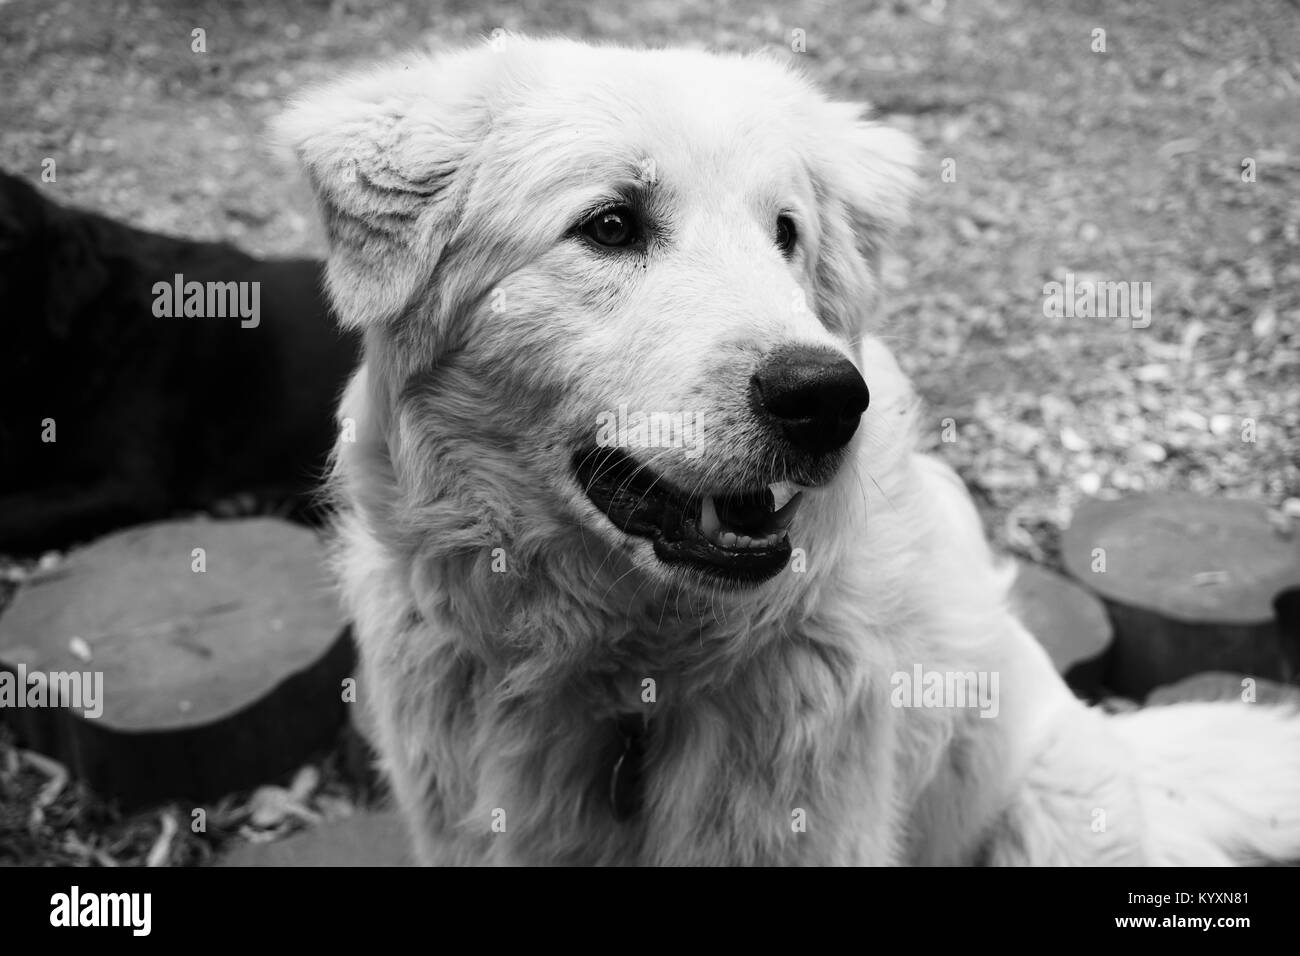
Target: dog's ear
[[386, 154], [866, 178], [871, 168]]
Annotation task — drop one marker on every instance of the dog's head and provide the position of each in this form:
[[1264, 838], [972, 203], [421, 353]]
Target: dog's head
[[620, 291]]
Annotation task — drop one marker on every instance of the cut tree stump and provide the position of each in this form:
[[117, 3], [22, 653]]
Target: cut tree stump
[[1069, 621], [1189, 583], [212, 681], [368, 838], [1220, 686]]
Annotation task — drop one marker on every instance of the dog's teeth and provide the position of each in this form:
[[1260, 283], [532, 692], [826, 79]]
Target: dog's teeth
[[728, 540], [782, 492], [744, 541], [710, 523], [781, 519]]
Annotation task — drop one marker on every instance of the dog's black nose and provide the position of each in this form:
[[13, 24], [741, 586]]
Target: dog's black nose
[[814, 395]]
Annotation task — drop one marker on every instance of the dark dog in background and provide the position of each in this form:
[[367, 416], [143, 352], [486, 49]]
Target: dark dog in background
[[149, 414]]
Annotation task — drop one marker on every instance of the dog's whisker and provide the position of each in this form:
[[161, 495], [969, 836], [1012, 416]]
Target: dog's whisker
[[644, 466], [630, 478], [664, 608], [874, 482], [635, 566], [631, 601]]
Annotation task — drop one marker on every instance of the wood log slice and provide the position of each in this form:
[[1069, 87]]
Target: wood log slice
[[213, 680], [1222, 687], [367, 838], [1069, 621], [1190, 584]]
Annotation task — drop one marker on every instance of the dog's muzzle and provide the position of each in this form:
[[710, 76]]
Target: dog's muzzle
[[738, 538]]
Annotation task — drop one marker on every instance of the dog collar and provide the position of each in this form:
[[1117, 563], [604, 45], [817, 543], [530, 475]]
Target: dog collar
[[625, 778]]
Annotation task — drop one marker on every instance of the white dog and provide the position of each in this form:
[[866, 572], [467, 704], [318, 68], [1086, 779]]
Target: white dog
[[642, 562]]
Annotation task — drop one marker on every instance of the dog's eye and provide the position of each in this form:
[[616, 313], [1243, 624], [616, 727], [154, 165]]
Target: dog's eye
[[615, 227], [786, 235]]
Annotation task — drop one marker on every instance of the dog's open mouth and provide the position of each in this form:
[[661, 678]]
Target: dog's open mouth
[[739, 536]]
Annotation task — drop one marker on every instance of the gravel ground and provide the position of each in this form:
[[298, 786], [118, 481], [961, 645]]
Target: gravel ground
[[1123, 165]]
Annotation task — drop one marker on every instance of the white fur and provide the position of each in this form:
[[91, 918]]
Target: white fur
[[493, 339]]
